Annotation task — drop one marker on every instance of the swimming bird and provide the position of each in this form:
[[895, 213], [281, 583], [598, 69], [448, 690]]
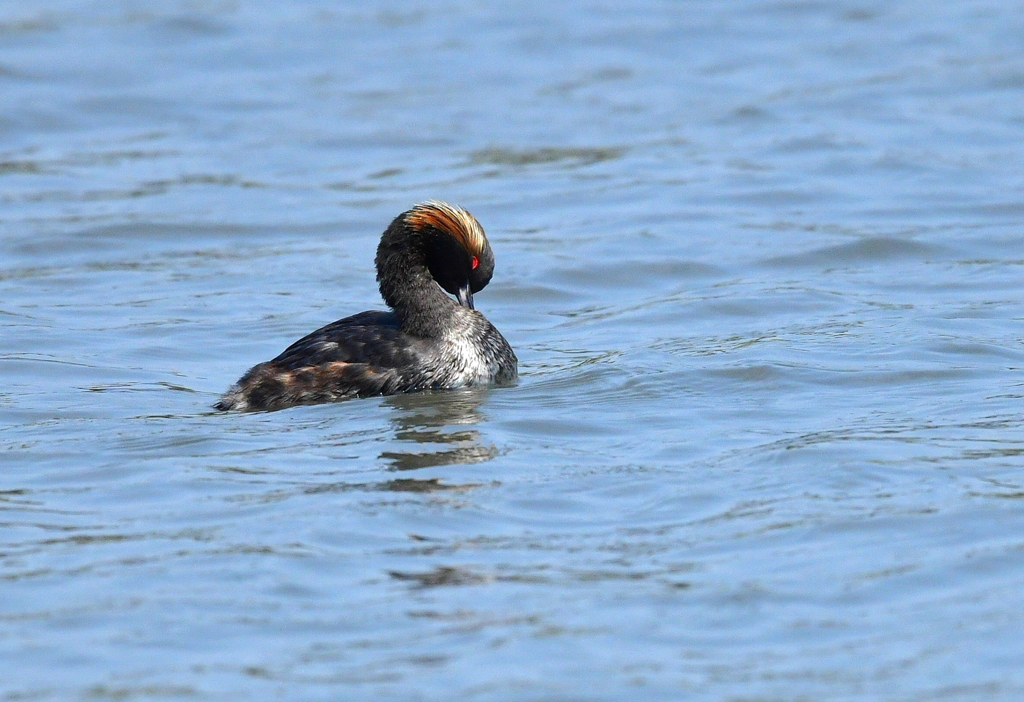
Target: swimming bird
[[428, 341]]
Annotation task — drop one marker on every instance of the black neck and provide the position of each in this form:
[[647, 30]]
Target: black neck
[[407, 285]]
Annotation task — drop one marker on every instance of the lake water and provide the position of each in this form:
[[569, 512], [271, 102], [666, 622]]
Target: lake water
[[763, 265]]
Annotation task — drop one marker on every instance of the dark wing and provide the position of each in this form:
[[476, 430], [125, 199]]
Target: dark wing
[[362, 355], [373, 338]]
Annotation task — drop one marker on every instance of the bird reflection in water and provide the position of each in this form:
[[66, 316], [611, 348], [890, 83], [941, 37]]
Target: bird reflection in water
[[440, 421]]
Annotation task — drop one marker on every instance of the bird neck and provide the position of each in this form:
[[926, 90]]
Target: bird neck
[[407, 286]]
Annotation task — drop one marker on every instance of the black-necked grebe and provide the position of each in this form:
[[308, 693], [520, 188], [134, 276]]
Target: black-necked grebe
[[428, 341]]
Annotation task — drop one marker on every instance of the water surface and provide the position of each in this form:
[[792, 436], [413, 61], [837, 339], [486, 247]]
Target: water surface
[[761, 262]]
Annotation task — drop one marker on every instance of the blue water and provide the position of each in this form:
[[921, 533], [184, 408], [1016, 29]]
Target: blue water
[[761, 262]]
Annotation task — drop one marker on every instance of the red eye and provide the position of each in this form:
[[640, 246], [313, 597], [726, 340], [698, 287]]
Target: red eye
[[476, 263]]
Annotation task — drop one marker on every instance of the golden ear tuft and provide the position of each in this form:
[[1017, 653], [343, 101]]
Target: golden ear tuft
[[450, 219]]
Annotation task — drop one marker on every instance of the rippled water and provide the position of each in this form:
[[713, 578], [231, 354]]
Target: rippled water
[[761, 262]]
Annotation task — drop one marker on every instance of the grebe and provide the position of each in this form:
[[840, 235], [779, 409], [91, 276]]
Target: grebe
[[427, 342]]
